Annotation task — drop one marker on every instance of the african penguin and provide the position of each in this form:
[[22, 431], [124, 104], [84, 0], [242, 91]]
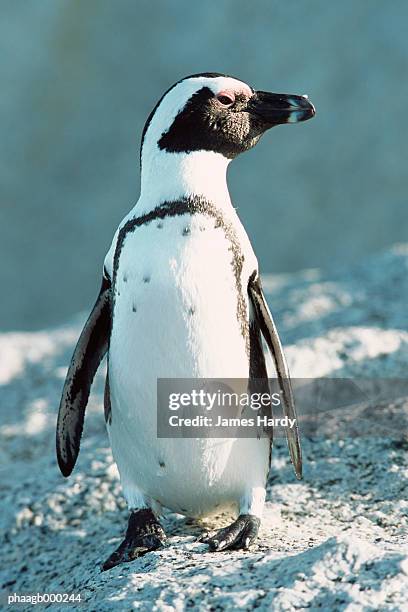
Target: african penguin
[[181, 297]]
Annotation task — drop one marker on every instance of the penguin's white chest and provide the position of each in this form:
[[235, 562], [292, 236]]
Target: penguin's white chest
[[180, 307], [180, 311]]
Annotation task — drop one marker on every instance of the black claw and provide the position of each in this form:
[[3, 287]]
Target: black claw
[[248, 534], [204, 538], [144, 534], [240, 534]]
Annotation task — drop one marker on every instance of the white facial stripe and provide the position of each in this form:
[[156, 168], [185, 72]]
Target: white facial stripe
[[227, 83], [176, 99]]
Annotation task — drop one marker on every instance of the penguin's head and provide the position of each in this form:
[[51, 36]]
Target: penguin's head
[[218, 113]]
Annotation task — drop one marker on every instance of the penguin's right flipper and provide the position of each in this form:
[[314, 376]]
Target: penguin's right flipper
[[89, 352], [271, 336]]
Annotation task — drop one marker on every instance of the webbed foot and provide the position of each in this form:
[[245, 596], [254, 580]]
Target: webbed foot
[[144, 534], [240, 534]]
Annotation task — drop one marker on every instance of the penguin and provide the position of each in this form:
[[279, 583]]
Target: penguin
[[181, 297]]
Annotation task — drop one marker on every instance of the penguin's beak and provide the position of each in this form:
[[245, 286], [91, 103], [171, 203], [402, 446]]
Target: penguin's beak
[[273, 109]]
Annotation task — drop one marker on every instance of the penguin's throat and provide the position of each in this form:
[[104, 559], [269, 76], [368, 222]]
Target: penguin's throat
[[171, 176]]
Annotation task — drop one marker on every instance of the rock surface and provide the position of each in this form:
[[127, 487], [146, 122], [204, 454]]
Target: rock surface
[[335, 541]]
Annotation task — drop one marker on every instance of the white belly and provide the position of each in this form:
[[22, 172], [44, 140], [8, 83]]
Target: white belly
[[177, 315]]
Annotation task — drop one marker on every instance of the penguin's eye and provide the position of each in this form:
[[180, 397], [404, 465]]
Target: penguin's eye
[[226, 98]]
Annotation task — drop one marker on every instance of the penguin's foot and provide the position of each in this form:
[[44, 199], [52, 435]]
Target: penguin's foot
[[144, 533], [240, 534]]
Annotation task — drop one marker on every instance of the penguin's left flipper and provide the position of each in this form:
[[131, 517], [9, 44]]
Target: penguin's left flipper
[[240, 534], [89, 352], [144, 534], [270, 333]]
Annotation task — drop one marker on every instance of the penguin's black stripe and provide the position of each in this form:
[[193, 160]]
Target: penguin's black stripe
[[107, 406], [194, 205]]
